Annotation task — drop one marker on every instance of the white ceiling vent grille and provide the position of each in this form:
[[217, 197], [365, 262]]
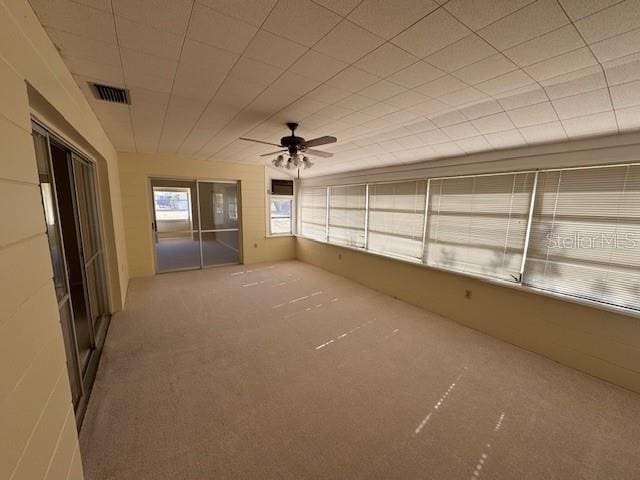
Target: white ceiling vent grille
[[111, 94]]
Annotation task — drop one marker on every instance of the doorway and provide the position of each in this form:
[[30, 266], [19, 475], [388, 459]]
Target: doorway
[[68, 190], [195, 224]]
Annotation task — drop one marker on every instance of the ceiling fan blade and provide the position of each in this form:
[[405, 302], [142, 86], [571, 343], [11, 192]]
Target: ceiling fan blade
[[318, 153], [259, 141], [272, 153], [314, 142]]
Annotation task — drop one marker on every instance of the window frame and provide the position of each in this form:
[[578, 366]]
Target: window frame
[[291, 200]]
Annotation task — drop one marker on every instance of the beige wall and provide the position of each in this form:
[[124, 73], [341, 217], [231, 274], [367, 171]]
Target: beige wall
[[598, 342], [37, 425], [135, 171]]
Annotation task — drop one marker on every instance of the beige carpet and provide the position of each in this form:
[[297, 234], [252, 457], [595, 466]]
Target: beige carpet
[[285, 371]]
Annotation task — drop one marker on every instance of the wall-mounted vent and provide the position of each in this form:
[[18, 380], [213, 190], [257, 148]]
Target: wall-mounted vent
[[111, 94]]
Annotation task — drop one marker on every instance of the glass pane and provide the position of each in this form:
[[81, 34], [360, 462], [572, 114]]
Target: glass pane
[[218, 205], [95, 289], [173, 209], [281, 215], [69, 346], [219, 248], [41, 144], [87, 208]]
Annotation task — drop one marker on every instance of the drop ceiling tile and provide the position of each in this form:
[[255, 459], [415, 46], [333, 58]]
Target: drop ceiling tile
[[388, 18], [464, 52], [144, 39], [573, 83], [147, 71], [72, 17], [318, 66], [71, 45], [619, 46], [583, 104], [628, 118], [302, 21], [626, 95], [531, 21], [356, 118], [434, 137], [353, 80], [504, 83], [522, 97], [447, 149], [379, 110], [446, 118], [213, 28], [251, 11], [481, 109], [623, 70], [460, 131], [431, 34], [386, 60], [577, 9], [491, 67], [480, 13], [441, 86], [99, 4], [557, 42], [617, 19], [274, 50], [406, 99], [598, 124], [201, 70], [533, 115], [341, 7], [463, 97], [417, 74], [506, 139], [565, 63], [328, 94], [109, 74], [254, 72], [429, 107], [493, 123], [544, 133], [382, 90], [400, 117], [171, 16], [474, 144], [181, 116], [348, 42]]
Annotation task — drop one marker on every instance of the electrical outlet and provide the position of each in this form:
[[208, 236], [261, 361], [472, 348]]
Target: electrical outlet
[[255, 245], [467, 294], [339, 256]]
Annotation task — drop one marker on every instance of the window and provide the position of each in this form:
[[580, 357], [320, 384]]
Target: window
[[396, 218], [172, 204], [280, 208], [478, 224], [585, 234], [313, 212], [347, 215]]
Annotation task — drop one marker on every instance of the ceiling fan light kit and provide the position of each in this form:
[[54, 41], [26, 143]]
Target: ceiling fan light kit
[[293, 146]]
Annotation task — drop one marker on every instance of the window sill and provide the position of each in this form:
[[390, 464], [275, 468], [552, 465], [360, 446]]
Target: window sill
[[493, 281], [280, 235]]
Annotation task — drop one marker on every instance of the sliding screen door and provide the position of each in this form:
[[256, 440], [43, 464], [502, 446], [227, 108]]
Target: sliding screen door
[[220, 232], [176, 226]]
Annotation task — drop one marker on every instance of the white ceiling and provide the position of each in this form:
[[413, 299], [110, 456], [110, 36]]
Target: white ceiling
[[396, 81]]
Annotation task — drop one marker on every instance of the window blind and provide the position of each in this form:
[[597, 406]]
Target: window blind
[[347, 215], [585, 234], [313, 212], [396, 218], [478, 224]]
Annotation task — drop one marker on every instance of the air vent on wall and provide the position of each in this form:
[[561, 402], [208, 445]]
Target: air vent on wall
[[111, 94]]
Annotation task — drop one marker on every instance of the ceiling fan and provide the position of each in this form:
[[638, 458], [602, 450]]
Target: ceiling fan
[[294, 146]]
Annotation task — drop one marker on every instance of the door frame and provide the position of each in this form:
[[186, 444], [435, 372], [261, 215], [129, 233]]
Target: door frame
[[199, 231]]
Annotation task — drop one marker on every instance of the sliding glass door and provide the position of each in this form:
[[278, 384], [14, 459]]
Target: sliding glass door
[[195, 224], [69, 200]]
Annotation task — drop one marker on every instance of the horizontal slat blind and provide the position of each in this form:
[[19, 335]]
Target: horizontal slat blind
[[478, 224], [396, 218], [347, 215], [585, 234], [313, 212]]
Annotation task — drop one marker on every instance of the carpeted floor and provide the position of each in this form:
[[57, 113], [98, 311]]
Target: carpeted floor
[[285, 371], [183, 253]]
